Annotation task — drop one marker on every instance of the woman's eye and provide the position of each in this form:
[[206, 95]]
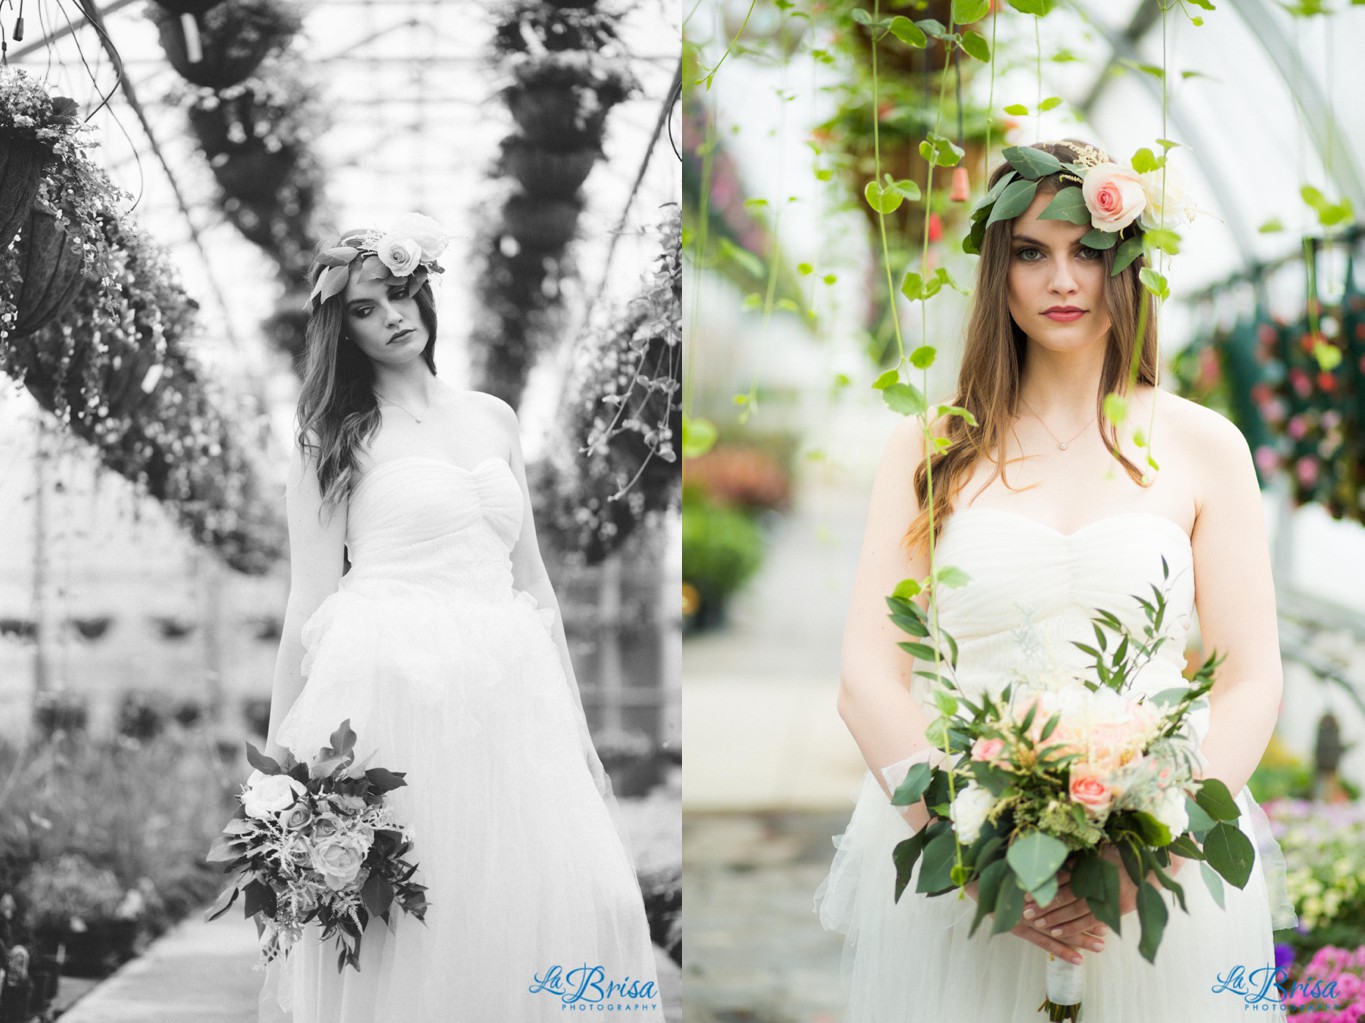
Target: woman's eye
[[398, 293], [361, 313], [1028, 255], [1088, 253]]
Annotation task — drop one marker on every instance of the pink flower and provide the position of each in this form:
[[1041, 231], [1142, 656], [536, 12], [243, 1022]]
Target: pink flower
[[1306, 470], [1090, 790], [1114, 196], [988, 750]]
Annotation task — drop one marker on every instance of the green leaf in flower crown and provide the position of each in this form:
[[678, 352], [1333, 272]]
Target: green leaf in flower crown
[[1031, 163], [911, 790], [908, 32], [905, 399], [1098, 239], [975, 46], [1068, 205], [1230, 853], [1127, 252], [1035, 857], [1013, 201], [1152, 915], [261, 762]]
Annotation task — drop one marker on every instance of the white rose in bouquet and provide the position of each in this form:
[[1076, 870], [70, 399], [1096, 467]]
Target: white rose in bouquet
[[266, 795], [1169, 809], [969, 812]]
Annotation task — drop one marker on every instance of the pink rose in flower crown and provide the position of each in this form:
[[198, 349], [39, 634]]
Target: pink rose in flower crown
[[1114, 195], [988, 751], [1091, 790], [401, 255]]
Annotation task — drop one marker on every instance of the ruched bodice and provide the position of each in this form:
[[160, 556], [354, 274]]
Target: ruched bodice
[[427, 522], [1034, 591]]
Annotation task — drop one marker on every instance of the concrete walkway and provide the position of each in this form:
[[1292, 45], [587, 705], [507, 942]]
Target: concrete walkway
[[205, 973]]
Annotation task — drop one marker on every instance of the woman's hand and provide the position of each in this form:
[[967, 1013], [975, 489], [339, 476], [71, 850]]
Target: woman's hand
[[1065, 946], [1066, 917]]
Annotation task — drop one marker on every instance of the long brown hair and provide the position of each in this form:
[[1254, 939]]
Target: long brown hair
[[993, 359], [338, 413]]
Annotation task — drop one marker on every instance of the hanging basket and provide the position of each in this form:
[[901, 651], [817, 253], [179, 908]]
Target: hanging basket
[[562, 118], [232, 42], [50, 278], [21, 170], [547, 172], [254, 175], [195, 7], [541, 224]]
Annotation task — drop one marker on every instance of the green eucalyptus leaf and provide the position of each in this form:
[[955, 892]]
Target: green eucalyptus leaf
[[1213, 882], [1127, 252], [988, 891], [1213, 796], [1013, 201], [936, 870], [911, 790], [1009, 904], [1069, 205], [1152, 915], [1035, 857], [1097, 239], [1031, 163], [904, 855], [1229, 852]]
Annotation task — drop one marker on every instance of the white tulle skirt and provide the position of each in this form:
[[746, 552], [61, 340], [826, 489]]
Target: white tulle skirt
[[913, 961], [524, 868]]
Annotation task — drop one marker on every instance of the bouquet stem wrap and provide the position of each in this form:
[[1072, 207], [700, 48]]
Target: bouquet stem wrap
[[1065, 982]]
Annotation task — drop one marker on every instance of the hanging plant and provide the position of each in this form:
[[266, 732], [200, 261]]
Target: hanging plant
[[31, 122], [194, 7], [616, 461], [226, 44], [547, 172], [48, 267], [540, 223], [560, 100]]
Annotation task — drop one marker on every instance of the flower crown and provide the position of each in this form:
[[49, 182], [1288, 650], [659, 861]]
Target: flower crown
[[409, 248], [1106, 197]]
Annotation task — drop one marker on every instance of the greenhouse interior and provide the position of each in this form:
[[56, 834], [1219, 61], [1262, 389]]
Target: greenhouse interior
[[835, 156], [167, 173]]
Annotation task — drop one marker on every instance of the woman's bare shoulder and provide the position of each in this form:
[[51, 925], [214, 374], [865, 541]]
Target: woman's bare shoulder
[[1204, 433]]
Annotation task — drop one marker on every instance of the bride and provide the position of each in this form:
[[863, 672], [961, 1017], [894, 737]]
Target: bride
[[420, 609], [1053, 514]]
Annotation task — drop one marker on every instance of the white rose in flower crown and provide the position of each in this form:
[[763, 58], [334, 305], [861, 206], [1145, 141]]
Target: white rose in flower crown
[[1114, 195], [424, 231], [969, 812], [265, 795], [339, 859], [1169, 809], [401, 255], [1171, 208]]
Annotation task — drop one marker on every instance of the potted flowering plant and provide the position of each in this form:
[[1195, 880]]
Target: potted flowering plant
[[71, 902], [32, 123], [561, 99]]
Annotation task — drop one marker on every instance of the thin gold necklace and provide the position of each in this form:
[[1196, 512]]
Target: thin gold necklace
[[415, 417], [1061, 444]]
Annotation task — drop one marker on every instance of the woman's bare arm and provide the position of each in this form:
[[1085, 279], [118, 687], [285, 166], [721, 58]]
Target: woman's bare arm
[[317, 539]]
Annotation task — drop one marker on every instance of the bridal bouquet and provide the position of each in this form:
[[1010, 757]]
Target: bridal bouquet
[[1077, 774], [315, 843]]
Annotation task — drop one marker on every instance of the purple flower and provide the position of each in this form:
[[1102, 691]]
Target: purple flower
[[1284, 956]]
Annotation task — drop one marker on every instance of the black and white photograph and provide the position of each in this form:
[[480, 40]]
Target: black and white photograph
[[340, 481]]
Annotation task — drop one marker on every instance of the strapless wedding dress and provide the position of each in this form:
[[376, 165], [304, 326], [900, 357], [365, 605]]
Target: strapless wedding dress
[[451, 675], [1032, 593]]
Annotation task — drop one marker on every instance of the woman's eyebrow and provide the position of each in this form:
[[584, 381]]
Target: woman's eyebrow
[[1034, 241]]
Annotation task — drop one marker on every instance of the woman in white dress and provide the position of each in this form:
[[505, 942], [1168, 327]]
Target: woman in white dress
[[420, 609], [1054, 514]]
